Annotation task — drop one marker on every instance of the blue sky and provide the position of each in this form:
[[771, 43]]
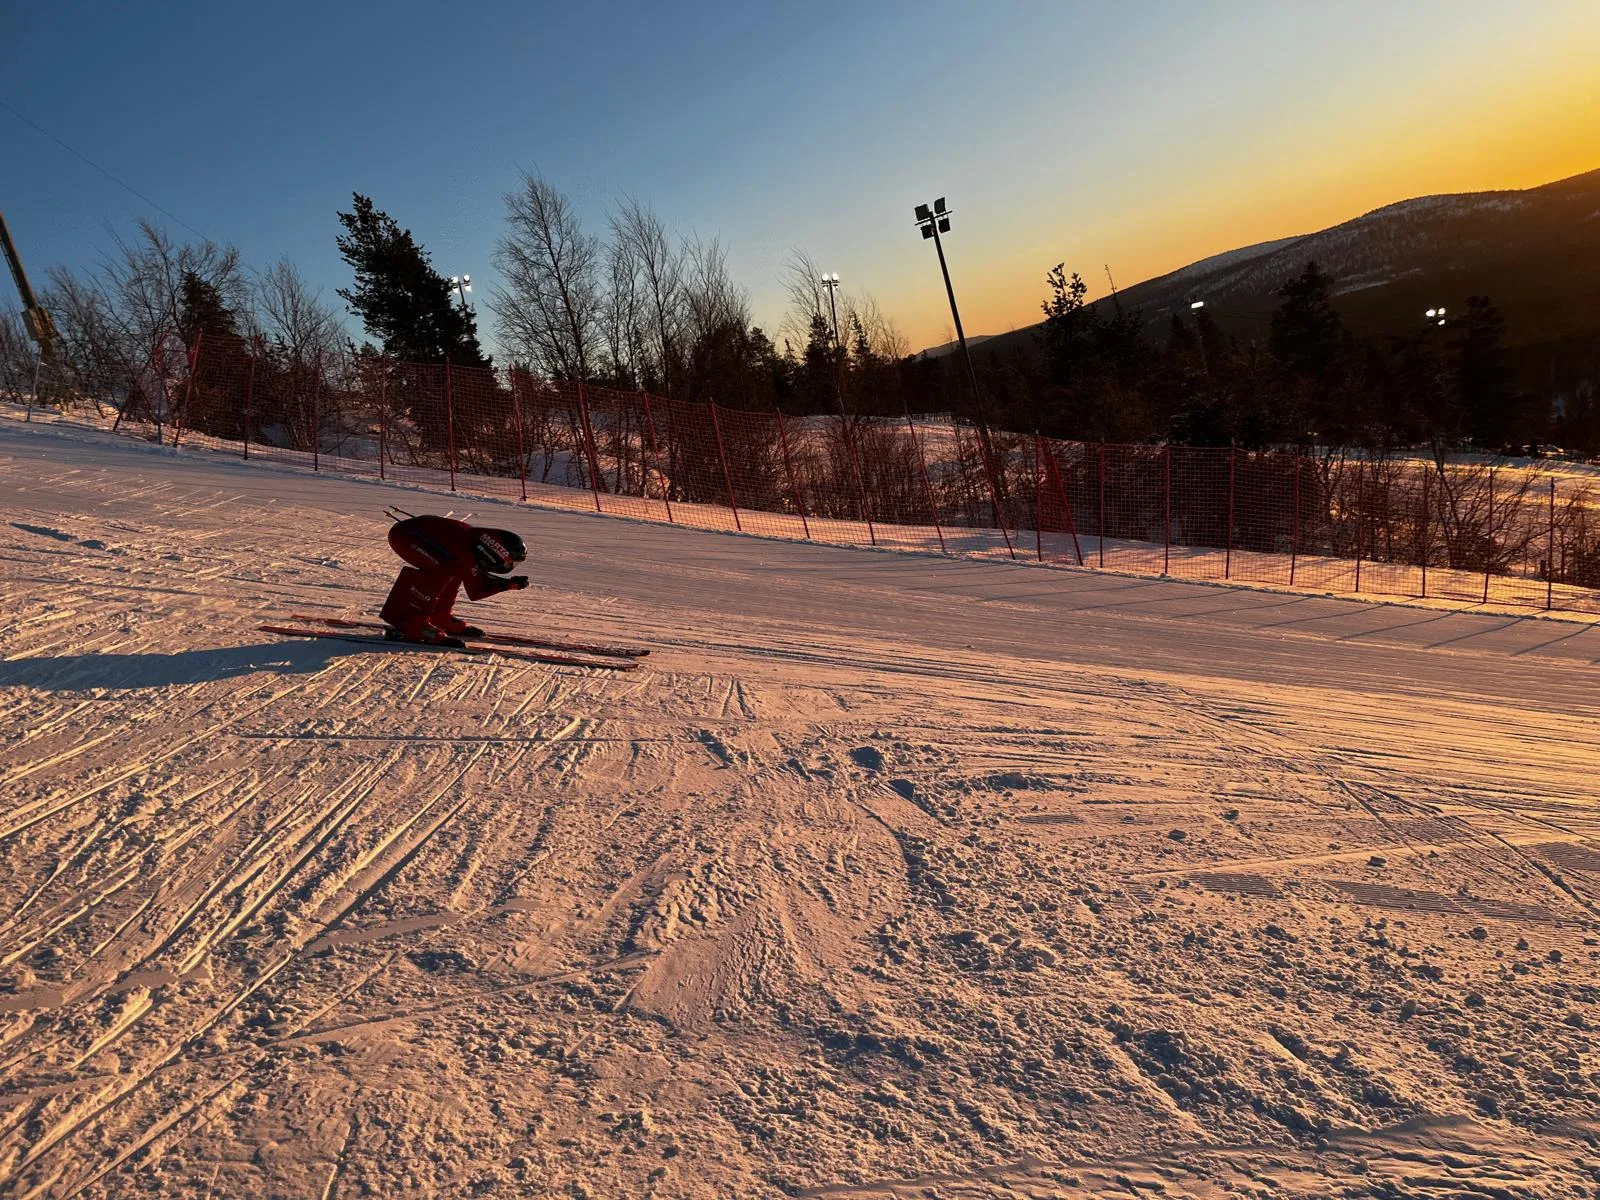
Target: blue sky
[[1142, 135]]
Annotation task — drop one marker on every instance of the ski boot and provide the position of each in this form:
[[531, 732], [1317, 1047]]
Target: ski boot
[[456, 627], [427, 635]]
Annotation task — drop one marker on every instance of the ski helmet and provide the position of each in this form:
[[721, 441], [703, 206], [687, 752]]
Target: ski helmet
[[497, 550]]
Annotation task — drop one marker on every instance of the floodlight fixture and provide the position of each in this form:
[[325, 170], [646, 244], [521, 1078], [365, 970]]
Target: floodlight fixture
[[1431, 313], [1197, 304], [931, 223]]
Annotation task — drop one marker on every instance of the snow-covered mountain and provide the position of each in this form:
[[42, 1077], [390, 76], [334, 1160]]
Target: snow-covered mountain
[[1535, 252]]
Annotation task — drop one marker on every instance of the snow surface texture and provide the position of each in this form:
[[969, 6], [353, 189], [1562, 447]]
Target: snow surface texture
[[886, 876]]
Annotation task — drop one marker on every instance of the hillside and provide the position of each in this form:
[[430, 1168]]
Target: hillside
[[1536, 253]]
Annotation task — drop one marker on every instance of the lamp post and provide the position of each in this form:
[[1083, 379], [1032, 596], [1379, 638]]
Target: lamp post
[[1200, 339], [933, 222], [461, 285], [831, 284]]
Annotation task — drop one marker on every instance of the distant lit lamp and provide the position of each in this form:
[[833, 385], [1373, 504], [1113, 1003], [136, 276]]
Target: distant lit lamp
[[1435, 316], [462, 284], [1193, 304]]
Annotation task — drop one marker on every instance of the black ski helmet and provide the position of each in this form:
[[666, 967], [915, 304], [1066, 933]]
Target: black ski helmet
[[497, 550]]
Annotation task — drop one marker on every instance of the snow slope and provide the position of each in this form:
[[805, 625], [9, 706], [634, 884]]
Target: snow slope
[[885, 876]]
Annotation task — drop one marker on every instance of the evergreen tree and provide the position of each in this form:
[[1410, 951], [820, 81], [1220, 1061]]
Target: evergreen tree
[[202, 310], [1307, 336], [1311, 346], [1487, 403], [401, 299]]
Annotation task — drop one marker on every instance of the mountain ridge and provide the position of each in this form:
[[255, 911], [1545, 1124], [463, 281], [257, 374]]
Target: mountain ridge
[[1534, 251]]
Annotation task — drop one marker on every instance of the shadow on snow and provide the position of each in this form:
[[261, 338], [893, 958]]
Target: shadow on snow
[[82, 672]]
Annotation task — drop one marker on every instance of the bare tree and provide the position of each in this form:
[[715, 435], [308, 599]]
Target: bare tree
[[801, 278], [143, 279], [884, 338], [550, 307], [712, 301], [93, 346], [623, 315], [639, 233], [17, 357], [288, 313]]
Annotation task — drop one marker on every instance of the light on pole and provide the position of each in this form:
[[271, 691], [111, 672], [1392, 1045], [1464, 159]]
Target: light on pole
[[461, 285], [933, 222], [1435, 316], [1200, 339], [831, 283]]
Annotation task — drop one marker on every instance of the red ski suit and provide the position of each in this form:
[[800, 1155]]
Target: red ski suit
[[441, 560]]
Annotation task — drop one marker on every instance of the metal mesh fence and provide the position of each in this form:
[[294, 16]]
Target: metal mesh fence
[[1470, 532]]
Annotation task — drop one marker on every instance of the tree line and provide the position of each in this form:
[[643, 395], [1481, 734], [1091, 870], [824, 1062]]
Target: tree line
[[636, 306]]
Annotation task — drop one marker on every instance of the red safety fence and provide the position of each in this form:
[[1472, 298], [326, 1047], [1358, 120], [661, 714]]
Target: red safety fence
[[1334, 522]]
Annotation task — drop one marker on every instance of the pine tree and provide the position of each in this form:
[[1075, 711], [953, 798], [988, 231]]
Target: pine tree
[[1487, 402], [202, 310], [401, 299]]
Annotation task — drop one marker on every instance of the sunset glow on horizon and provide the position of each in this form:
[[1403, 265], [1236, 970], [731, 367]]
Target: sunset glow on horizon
[[1139, 140]]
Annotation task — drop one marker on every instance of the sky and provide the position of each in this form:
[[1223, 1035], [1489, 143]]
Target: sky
[[1133, 137]]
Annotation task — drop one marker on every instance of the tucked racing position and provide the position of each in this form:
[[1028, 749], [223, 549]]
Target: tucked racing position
[[443, 556]]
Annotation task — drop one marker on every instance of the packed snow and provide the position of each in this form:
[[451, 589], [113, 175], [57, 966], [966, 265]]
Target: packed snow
[[885, 875]]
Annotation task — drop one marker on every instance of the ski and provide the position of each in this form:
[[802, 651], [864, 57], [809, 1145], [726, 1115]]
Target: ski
[[497, 639], [378, 642]]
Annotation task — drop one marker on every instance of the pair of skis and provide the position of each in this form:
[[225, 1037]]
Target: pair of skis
[[507, 645]]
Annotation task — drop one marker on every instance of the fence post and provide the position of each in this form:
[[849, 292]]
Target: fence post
[[1227, 559], [522, 449], [1488, 550], [588, 446], [1361, 468], [1166, 545], [1066, 505], [1102, 504], [861, 489], [316, 413], [927, 489], [383, 417], [994, 492], [788, 469], [450, 423], [1427, 525], [655, 449], [727, 479], [188, 389], [1294, 521], [1550, 568], [249, 404], [1038, 508]]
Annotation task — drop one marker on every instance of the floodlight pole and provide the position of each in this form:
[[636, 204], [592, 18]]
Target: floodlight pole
[[831, 282], [955, 313]]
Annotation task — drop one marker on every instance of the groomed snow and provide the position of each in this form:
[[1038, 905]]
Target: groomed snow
[[885, 876]]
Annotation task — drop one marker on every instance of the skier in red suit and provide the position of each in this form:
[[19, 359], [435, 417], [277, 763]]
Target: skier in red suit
[[442, 556]]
